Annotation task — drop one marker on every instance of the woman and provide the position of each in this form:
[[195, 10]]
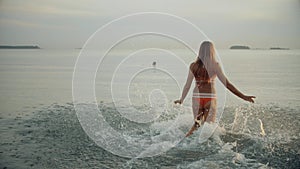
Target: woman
[[205, 69]]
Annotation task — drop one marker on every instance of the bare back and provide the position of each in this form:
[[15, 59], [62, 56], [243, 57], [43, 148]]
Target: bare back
[[204, 81]]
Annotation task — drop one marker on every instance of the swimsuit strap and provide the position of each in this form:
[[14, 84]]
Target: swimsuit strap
[[198, 80], [204, 95]]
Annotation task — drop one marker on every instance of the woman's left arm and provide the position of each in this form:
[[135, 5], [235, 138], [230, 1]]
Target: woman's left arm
[[231, 87]]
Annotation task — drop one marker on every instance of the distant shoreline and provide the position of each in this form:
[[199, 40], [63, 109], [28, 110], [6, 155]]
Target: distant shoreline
[[278, 48], [244, 47], [239, 47], [19, 47]]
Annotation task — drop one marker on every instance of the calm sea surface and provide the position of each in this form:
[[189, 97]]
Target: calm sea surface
[[33, 78]]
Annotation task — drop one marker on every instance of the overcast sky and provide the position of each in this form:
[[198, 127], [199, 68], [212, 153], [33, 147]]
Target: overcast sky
[[69, 23]]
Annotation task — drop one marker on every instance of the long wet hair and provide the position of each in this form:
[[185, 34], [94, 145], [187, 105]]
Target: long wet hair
[[205, 59]]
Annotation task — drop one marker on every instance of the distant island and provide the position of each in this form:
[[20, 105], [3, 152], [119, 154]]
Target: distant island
[[247, 47], [278, 48], [239, 47], [19, 47]]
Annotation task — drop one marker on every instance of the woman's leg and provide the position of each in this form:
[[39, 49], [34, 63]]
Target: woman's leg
[[210, 111], [204, 114], [197, 109]]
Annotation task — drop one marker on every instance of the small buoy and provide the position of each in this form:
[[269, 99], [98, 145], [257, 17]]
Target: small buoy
[[154, 64]]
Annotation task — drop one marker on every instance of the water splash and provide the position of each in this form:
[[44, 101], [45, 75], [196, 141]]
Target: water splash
[[53, 138], [263, 133]]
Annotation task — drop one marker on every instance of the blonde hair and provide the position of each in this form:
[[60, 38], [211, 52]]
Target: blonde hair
[[207, 56]]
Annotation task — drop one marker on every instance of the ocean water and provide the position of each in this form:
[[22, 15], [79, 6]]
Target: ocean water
[[40, 128]]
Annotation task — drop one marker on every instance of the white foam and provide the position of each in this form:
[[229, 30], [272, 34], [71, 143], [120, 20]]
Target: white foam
[[239, 159], [206, 131]]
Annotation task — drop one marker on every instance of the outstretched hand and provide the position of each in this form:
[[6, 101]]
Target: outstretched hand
[[249, 98], [177, 101]]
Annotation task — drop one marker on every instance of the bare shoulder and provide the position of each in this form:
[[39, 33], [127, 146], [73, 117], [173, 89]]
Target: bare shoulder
[[218, 69], [218, 66], [192, 65]]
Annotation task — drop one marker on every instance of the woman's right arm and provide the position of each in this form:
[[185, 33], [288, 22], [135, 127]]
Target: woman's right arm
[[231, 87], [186, 88]]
